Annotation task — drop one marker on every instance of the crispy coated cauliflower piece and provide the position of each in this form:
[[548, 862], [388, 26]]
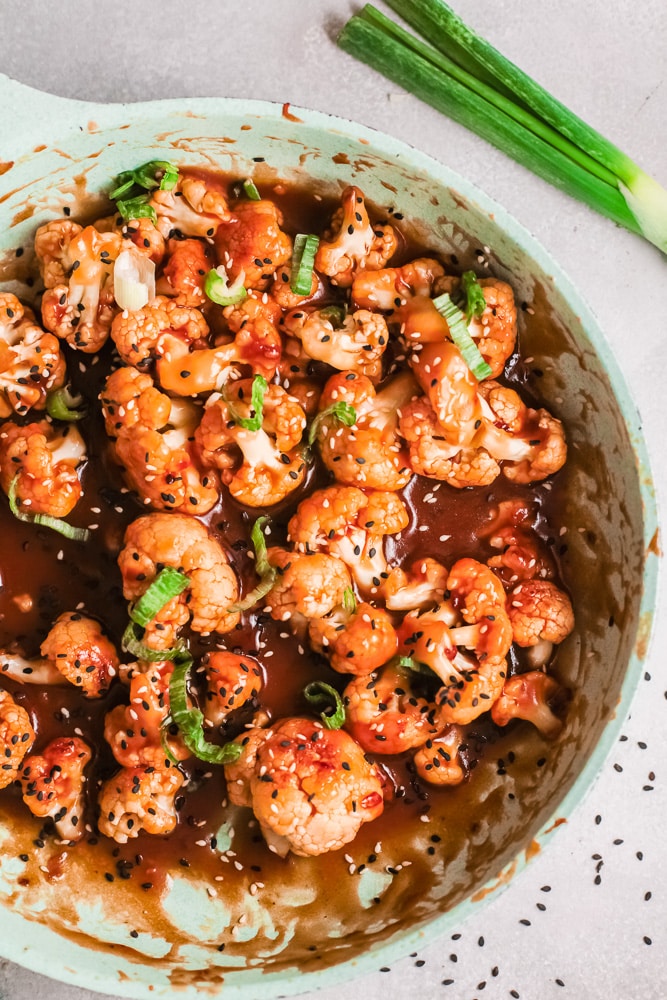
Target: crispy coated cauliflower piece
[[433, 456], [531, 697], [138, 335], [385, 715], [139, 798], [31, 364], [369, 454], [495, 330], [452, 390], [80, 308], [421, 588], [356, 642], [185, 272], [390, 288], [310, 788], [231, 680], [354, 243], [281, 290], [191, 208], [44, 461], [52, 241], [145, 236], [53, 784], [260, 467], [153, 440], [16, 737], [294, 372], [539, 611], [78, 648], [134, 731], [353, 342], [159, 540], [522, 553], [251, 241], [351, 525], [438, 761], [307, 586]]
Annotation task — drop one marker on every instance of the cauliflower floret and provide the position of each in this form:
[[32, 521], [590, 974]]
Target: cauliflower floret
[[232, 680], [354, 243], [251, 241], [138, 335], [44, 461], [307, 586], [153, 440], [82, 653], [185, 272], [30, 360], [351, 525], [310, 788], [531, 697], [422, 587], [281, 290], [52, 241], [539, 611], [145, 236], [260, 467], [355, 342], [390, 288], [495, 330], [431, 455], [81, 308], [439, 761], [294, 373], [53, 784], [139, 798], [356, 642], [16, 737], [384, 714], [191, 208], [522, 553], [159, 540], [134, 731], [452, 390], [369, 454]]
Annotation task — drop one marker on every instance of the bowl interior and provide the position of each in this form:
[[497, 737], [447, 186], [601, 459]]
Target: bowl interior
[[308, 924]]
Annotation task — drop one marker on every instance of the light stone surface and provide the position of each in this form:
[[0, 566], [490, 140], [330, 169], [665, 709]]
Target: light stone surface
[[606, 60]]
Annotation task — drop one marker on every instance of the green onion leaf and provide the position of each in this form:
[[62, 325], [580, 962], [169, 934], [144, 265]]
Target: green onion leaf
[[164, 739], [62, 405], [263, 569], [137, 208], [344, 413], [475, 303], [254, 422], [131, 643], [318, 693], [250, 190], [349, 600], [409, 663], [155, 173], [220, 291], [167, 584], [303, 262], [459, 333], [190, 721], [45, 520]]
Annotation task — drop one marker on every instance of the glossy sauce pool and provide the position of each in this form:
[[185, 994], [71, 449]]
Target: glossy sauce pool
[[43, 575]]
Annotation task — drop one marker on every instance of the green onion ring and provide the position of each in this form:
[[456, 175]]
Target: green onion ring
[[318, 693], [167, 584], [55, 523], [253, 423], [459, 333], [263, 568], [250, 190], [303, 262], [343, 412], [62, 405], [190, 721]]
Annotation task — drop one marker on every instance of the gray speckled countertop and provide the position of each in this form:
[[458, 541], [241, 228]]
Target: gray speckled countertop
[[588, 919]]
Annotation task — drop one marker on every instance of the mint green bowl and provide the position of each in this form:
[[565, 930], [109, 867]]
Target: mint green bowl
[[55, 151]]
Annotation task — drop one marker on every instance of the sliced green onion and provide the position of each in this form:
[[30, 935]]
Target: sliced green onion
[[131, 643], [167, 584], [475, 303], [335, 314], [250, 190], [45, 520], [318, 693], [349, 600], [254, 422], [344, 413], [303, 262], [137, 208], [146, 176], [409, 663], [458, 330], [219, 290], [464, 77], [164, 739], [62, 405], [263, 568], [190, 721]]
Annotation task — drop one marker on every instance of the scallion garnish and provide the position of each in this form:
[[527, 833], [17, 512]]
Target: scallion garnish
[[254, 421], [474, 301], [131, 643], [62, 405], [218, 289], [458, 331], [463, 76], [349, 600], [344, 413], [190, 721], [263, 568], [137, 208], [154, 174], [318, 693], [409, 663], [303, 262], [169, 583], [45, 520], [250, 190], [335, 314], [164, 739]]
